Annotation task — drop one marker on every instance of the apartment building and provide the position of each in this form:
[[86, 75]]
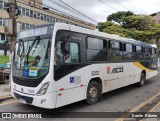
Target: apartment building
[[31, 16]]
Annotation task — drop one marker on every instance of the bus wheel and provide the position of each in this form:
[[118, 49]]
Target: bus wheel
[[93, 92], [142, 81]]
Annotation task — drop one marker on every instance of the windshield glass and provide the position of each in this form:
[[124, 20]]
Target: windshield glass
[[31, 57]]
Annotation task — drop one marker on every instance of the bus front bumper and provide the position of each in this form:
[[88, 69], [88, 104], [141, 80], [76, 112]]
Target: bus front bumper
[[47, 101]]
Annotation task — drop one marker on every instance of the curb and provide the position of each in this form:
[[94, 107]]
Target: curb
[[5, 98]]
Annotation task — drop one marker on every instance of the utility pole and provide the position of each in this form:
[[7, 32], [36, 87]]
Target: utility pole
[[10, 28], [12, 15]]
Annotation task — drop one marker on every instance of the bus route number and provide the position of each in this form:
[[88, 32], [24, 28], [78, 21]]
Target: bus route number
[[95, 73]]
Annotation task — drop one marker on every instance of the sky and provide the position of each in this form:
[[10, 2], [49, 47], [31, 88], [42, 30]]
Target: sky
[[98, 10]]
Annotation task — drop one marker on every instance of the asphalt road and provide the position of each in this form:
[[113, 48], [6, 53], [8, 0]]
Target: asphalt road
[[120, 100]]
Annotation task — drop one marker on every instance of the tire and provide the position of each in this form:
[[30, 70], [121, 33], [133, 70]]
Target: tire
[[142, 80], [93, 92]]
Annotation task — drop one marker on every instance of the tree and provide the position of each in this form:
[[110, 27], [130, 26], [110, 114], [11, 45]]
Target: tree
[[130, 25], [119, 16]]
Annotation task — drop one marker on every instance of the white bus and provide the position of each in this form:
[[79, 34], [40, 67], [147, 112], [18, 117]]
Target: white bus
[[59, 64]]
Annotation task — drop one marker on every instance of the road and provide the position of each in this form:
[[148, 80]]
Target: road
[[120, 100]]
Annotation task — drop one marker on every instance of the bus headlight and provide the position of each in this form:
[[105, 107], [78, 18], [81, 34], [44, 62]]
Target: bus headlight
[[43, 89]]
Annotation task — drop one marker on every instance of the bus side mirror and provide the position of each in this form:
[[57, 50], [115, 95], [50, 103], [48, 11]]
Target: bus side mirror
[[5, 48]]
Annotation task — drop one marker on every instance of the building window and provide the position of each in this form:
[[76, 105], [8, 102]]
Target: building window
[[1, 4], [42, 16], [1, 22], [45, 18], [23, 11], [57, 20], [20, 9], [38, 15], [53, 20], [48, 19], [27, 25], [27, 12], [5, 6], [31, 13], [23, 25], [34, 14]]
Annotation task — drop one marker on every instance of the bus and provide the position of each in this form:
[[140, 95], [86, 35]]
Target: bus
[[58, 64]]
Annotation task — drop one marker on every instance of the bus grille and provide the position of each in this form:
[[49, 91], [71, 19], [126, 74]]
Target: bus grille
[[28, 100]]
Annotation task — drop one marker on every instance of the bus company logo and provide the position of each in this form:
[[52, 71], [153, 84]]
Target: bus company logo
[[108, 70], [117, 70]]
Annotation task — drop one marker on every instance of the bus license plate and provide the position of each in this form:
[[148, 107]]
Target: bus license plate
[[22, 100]]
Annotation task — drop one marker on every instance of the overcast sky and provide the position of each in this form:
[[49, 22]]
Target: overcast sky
[[100, 9]]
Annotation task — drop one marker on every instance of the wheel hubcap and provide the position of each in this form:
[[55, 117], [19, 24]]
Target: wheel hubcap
[[93, 92]]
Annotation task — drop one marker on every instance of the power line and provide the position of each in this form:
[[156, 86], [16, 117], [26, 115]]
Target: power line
[[66, 15], [76, 10], [121, 5], [63, 12], [107, 5], [69, 9], [62, 6]]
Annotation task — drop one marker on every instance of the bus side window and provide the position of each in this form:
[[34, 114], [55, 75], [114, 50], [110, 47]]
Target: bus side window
[[138, 53], [147, 54], [115, 51], [153, 56], [129, 54], [96, 49]]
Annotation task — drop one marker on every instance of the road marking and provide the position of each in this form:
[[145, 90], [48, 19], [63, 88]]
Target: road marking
[[154, 108], [138, 107], [9, 103]]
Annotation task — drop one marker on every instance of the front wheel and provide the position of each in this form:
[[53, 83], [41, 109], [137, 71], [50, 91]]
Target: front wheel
[[93, 92], [142, 80]]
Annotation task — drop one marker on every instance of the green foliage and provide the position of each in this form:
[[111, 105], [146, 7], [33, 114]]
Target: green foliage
[[4, 59], [129, 25], [119, 16]]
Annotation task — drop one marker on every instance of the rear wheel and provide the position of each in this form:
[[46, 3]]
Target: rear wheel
[[142, 80], [93, 92]]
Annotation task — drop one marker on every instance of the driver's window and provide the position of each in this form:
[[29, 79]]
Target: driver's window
[[69, 55], [74, 53]]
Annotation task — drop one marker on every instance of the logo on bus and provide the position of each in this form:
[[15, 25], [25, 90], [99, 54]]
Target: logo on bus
[[117, 70], [108, 70]]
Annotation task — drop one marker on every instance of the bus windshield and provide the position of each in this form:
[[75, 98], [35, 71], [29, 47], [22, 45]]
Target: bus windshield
[[31, 57]]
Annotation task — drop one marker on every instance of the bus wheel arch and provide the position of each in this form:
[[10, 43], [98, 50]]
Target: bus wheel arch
[[142, 78], [94, 84]]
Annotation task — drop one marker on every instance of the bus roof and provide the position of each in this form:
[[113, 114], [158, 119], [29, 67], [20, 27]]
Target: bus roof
[[94, 33]]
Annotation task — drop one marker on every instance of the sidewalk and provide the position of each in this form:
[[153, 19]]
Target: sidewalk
[[5, 90]]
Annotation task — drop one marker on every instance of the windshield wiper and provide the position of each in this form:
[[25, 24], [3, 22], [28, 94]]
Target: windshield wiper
[[30, 47]]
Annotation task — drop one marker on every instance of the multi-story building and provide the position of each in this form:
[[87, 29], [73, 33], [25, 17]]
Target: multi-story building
[[31, 16]]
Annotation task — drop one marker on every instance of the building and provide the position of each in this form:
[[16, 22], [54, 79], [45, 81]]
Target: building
[[156, 16], [31, 16]]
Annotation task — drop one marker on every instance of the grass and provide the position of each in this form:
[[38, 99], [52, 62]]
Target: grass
[[4, 59]]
